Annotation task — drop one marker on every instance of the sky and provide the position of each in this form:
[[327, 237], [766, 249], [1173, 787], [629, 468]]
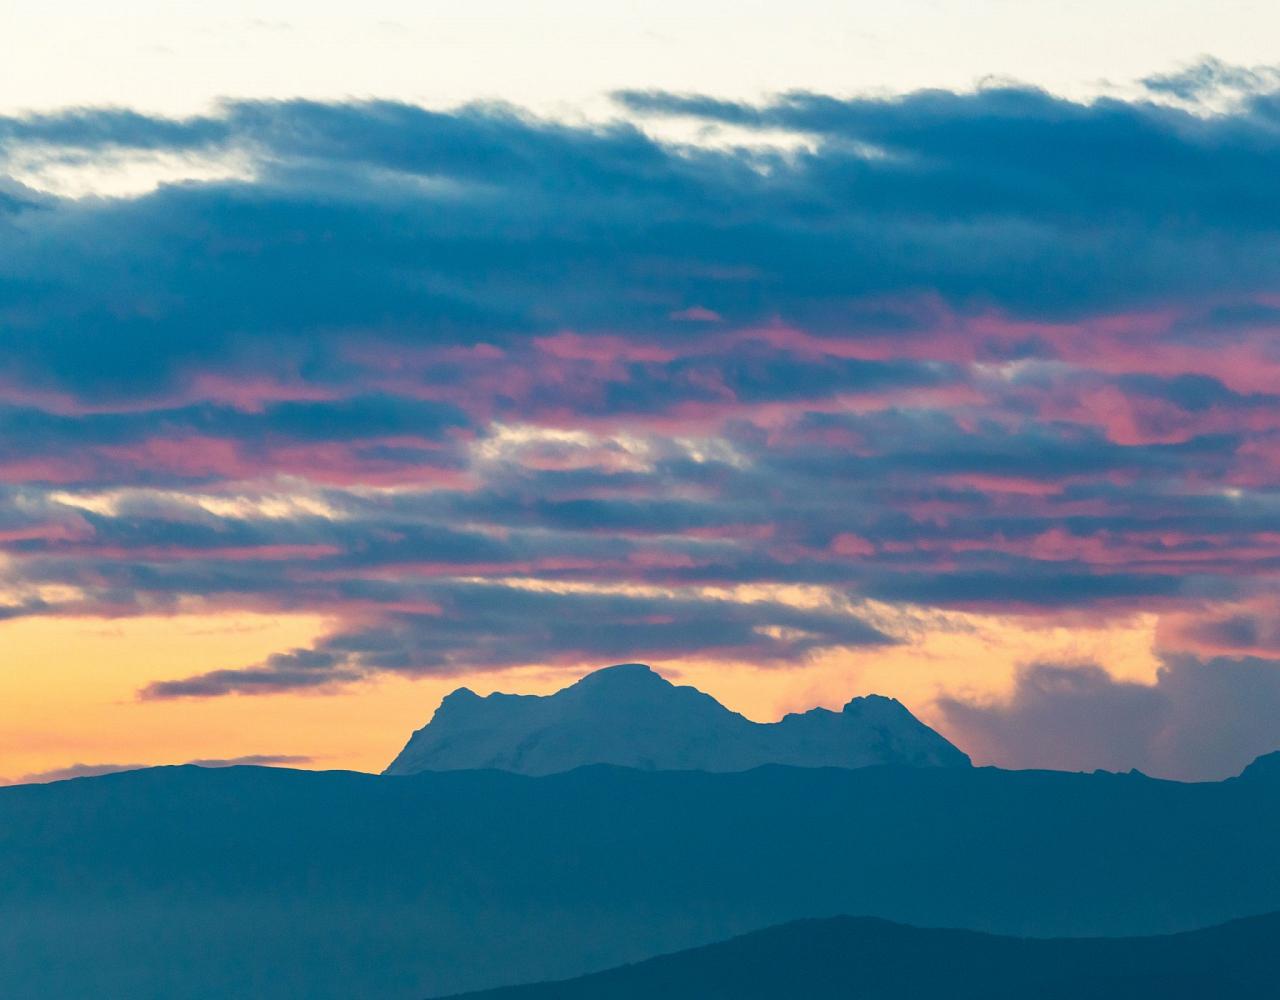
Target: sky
[[925, 349]]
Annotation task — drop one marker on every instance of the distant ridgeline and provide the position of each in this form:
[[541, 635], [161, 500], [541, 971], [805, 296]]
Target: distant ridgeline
[[858, 958], [184, 883], [630, 716]]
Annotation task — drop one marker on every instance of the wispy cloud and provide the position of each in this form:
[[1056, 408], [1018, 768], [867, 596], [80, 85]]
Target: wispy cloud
[[94, 770]]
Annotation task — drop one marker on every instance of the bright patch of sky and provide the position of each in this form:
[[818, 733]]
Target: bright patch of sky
[[564, 56]]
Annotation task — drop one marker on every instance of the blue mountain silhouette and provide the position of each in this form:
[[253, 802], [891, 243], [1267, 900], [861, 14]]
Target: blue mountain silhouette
[[194, 884]]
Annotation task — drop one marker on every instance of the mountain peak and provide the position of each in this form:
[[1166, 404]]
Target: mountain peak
[[630, 715], [623, 675], [874, 701]]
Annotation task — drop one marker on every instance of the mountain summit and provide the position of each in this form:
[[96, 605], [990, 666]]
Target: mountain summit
[[630, 716]]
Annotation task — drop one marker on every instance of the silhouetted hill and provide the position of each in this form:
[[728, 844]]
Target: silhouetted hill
[[630, 716], [1265, 768], [191, 884], [860, 958]]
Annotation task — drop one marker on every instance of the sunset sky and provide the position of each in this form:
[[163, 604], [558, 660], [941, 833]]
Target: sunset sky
[[346, 359]]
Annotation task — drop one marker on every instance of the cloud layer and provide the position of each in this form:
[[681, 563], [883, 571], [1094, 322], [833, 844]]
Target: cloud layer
[[490, 390]]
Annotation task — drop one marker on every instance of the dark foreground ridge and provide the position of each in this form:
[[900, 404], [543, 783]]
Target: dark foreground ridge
[[860, 958], [192, 884], [631, 716]]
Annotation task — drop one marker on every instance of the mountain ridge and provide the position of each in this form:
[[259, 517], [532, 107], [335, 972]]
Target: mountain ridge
[[185, 883], [827, 958], [630, 715], [1263, 768]]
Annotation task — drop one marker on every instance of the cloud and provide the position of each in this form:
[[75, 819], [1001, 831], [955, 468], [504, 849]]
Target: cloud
[[255, 760], [358, 438], [74, 771], [475, 627], [1210, 78], [93, 770], [383, 223], [1202, 720], [485, 390]]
